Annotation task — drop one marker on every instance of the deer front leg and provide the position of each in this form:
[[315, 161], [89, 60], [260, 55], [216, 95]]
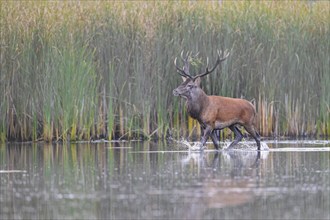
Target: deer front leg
[[206, 133], [215, 139]]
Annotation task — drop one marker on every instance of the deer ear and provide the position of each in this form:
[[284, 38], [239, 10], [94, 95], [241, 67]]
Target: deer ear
[[198, 81], [183, 78]]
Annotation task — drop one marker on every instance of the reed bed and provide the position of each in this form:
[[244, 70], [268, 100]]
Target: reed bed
[[88, 70]]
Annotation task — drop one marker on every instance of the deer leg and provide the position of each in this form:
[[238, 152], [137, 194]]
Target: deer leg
[[215, 139], [238, 136], [202, 130], [206, 134], [254, 134]]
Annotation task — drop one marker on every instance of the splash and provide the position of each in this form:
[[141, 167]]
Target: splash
[[244, 145], [191, 147]]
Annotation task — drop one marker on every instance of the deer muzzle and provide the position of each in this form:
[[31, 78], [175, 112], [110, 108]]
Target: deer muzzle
[[175, 92]]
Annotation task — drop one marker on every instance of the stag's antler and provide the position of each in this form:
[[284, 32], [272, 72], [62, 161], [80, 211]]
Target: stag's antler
[[219, 60], [185, 71]]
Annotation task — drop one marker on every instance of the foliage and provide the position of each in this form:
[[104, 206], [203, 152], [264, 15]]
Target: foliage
[[82, 70]]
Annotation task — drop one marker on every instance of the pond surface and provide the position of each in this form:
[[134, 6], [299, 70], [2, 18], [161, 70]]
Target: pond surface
[[144, 180]]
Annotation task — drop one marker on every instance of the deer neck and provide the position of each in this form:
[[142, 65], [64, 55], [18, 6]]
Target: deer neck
[[196, 103]]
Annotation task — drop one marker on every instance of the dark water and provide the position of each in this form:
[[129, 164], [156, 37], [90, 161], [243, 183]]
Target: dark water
[[140, 180]]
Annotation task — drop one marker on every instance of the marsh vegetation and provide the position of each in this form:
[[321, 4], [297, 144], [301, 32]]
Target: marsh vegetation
[[89, 70]]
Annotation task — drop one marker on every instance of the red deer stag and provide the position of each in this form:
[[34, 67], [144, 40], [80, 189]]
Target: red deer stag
[[215, 112]]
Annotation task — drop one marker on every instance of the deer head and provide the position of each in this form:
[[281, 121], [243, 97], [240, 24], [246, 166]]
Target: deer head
[[191, 84]]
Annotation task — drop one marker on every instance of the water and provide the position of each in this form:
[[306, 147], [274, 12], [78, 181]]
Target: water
[[145, 180]]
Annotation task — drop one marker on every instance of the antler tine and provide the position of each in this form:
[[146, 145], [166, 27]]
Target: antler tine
[[219, 60], [186, 57], [181, 55], [226, 54], [186, 64], [181, 71]]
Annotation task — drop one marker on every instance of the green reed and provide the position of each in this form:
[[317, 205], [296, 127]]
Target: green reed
[[80, 71]]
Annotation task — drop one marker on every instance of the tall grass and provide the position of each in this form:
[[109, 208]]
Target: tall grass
[[85, 70]]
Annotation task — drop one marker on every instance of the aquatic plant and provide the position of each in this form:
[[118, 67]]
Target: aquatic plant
[[88, 70]]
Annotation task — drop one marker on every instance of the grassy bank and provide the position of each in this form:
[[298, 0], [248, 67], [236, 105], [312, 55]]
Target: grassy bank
[[76, 71]]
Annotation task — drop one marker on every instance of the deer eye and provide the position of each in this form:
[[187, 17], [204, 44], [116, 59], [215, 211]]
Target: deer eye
[[190, 86]]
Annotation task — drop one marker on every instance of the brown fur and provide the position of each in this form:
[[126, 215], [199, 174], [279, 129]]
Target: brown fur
[[229, 111]]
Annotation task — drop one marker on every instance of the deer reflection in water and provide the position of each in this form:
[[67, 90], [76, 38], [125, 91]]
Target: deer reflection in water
[[228, 179]]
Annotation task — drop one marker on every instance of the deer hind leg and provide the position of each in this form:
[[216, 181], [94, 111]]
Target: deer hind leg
[[238, 136], [252, 131]]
